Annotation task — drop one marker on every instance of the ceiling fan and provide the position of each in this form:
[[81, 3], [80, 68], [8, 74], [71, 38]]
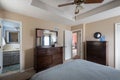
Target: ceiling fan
[[79, 2]]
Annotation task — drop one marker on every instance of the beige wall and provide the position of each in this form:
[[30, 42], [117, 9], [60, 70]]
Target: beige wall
[[77, 27], [106, 27], [28, 32]]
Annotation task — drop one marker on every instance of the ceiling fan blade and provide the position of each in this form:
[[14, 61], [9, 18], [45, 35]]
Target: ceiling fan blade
[[93, 1], [61, 5]]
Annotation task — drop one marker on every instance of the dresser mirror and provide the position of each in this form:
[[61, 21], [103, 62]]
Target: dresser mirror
[[46, 37]]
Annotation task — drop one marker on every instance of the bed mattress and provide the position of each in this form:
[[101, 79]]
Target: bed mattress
[[78, 70]]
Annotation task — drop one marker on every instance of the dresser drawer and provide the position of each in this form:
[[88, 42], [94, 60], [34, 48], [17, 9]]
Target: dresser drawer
[[52, 51], [45, 60], [57, 61], [57, 56], [47, 57], [42, 52]]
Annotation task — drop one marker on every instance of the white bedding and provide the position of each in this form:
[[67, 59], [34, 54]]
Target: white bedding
[[78, 70]]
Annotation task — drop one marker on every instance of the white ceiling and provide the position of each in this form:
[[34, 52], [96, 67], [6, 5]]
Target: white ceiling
[[49, 10]]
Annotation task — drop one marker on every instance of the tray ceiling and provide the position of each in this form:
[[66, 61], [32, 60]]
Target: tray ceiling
[[69, 10], [49, 10]]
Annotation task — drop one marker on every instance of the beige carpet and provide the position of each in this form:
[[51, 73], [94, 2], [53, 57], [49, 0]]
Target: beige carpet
[[19, 76]]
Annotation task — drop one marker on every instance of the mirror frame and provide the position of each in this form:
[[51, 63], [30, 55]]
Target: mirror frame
[[96, 35], [44, 30], [7, 36]]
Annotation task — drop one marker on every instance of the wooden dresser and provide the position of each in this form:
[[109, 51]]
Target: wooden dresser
[[46, 57], [96, 51]]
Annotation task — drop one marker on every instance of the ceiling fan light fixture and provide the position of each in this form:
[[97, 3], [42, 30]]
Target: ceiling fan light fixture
[[76, 10], [79, 4], [78, 7], [82, 1]]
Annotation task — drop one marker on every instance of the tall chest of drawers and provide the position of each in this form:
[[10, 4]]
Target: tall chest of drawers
[[96, 51]]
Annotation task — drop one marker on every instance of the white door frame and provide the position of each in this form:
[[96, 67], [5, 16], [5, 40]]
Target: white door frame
[[81, 46], [1, 53], [117, 56], [21, 53]]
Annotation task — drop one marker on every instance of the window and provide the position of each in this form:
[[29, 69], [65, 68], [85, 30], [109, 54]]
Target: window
[[46, 40]]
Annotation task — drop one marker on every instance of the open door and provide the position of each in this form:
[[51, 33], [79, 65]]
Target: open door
[[1, 55], [67, 44], [117, 46]]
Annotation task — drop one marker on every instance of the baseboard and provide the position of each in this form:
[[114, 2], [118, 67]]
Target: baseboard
[[13, 72], [9, 73]]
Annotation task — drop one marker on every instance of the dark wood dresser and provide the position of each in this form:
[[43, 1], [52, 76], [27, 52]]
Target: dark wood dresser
[[46, 57], [96, 52]]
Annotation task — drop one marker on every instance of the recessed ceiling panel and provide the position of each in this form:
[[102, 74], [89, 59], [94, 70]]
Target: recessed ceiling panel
[[71, 8], [63, 15]]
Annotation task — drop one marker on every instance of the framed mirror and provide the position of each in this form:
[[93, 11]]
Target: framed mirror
[[12, 36], [97, 35], [46, 37]]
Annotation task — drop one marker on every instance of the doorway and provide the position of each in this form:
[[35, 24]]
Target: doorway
[[11, 46], [77, 44]]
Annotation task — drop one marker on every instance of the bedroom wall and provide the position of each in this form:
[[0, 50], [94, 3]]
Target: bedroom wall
[[106, 27], [28, 33], [77, 27]]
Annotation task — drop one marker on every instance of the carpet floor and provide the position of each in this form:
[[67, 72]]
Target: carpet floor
[[19, 76]]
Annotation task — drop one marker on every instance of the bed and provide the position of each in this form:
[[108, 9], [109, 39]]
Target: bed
[[78, 70]]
